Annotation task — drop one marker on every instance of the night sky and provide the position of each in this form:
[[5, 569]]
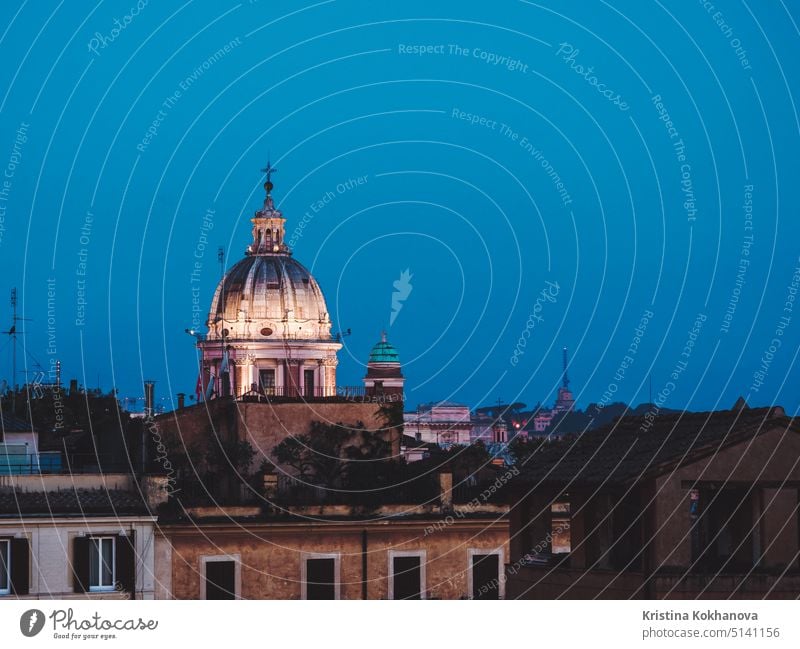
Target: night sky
[[620, 178]]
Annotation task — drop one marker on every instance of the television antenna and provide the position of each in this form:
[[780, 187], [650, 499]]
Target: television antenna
[[12, 333]]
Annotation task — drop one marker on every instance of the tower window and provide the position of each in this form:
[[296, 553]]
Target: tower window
[[266, 379], [308, 383]]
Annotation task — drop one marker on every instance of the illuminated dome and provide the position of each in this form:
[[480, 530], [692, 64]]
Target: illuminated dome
[[268, 327], [269, 296]]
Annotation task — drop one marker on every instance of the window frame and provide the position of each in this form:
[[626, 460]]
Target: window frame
[[237, 572], [99, 588], [268, 387], [423, 577], [337, 586], [501, 578], [7, 589]]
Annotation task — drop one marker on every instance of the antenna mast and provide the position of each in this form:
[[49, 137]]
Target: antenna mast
[[13, 333], [565, 381]]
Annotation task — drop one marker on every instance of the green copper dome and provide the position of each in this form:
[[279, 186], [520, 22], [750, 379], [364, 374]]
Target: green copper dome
[[384, 352]]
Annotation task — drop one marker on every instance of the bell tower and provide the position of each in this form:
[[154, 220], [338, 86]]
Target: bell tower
[[384, 380]]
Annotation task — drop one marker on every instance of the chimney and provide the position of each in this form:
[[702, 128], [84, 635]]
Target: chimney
[[181, 400], [149, 398], [156, 490], [73, 387], [446, 491]]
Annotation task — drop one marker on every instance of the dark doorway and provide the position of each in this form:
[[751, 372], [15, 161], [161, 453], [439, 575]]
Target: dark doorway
[[407, 577], [485, 576], [220, 580], [320, 579]]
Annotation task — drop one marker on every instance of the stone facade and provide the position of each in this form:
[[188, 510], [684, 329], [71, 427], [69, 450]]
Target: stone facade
[[265, 425], [270, 555]]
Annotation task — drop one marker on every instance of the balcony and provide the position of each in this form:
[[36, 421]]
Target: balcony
[[54, 462], [342, 393], [30, 464]]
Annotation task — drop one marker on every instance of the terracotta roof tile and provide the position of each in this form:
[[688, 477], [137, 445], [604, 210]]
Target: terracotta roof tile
[[71, 501]]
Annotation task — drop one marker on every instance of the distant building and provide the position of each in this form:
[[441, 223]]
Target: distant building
[[565, 402], [489, 430], [444, 423], [542, 418]]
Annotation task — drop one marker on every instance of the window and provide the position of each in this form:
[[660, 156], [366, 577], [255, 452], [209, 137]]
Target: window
[[407, 575], [320, 577], [5, 567], [101, 563], [220, 580], [220, 576], [485, 580], [266, 379], [14, 566], [308, 383], [104, 563], [722, 537]]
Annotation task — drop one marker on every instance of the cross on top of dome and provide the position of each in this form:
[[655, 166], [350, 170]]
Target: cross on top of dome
[[269, 170], [268, 223]]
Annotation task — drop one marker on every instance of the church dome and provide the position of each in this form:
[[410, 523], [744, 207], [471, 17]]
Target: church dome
[[269, 332], [269, 295], [384, 352]]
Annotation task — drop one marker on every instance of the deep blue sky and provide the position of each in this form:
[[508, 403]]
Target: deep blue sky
[[333, 92]]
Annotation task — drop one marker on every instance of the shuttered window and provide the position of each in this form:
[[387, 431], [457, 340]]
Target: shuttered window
[[5, 567], [104, 563], [14, 566]]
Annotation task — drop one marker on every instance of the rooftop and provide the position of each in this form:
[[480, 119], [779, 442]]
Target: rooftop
[[632, 447], [13, 424], [110, 502]]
